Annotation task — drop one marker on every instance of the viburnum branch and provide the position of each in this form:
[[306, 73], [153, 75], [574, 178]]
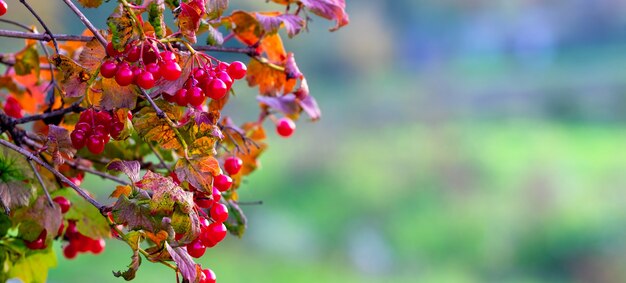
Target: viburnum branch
[[40, 180], [87, 23], [243, 50], [98, 173], [58, 174], [75, 107], [43, 24], [43, 36]]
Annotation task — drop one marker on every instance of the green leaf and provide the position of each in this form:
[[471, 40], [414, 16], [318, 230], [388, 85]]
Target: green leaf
[[152, 128], [121, 26], [166, 194], [27, 61], [155, 17], [72, 76], [130, 168], [133, 239], [185, 263], [187, 224], [15, 190], [32, 266], [136, 216], [89, 220]]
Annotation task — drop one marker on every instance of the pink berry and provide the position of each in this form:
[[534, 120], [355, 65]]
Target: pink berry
[[237, 70], [285, 127]]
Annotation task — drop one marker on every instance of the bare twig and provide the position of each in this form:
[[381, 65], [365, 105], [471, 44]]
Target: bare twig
[[37, 160], [43, 186], [244, 50], [75, 107], [159, 156], [101, 174], [87, 23], [44, 36], [43, 24]]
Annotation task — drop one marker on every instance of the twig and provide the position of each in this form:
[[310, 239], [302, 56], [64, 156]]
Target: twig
[[43, 24], [159, 156], [101, 174], [32, 157], [258, 202], [75, 107], [244, 50], [43, 186], [44, 36], [87, 23]]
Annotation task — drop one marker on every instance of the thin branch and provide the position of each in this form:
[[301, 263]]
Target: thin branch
[[75, 107], [43, 24], [87, 23], [159, 156], [44, 36], [101, 174], [43, 186], [32, 157], [243, 50], [258, 202]]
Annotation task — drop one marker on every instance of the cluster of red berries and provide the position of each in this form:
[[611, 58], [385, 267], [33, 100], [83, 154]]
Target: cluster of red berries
[[142, 66], [79, 243], [12, 107], [94, 130], [207, 81], [3, 8]]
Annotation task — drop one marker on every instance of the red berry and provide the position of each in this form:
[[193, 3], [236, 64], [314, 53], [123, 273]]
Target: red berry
[[195, 96], [60, 230], [124, 76], [225, 78], [155, 70], [196, 248], [3, 8], [233, 165], [136, 72], [86, 116], [70, 251], [237, 70], [78, 139], [149, 55], [13, 107], [208, 276], [145, 80], [71, 232], [222, 182], [216, 232], [216, 89], [170, 70], [84, 127], [181, 97], [81, 242], [101, 130], [95, 144], [39, 243], [217, 195], [168, 56], [285, 127], [169, 98], [222, 66], [63, 203], [199, 73], [108, 69], [116, 129], [203, 201], [111, 51], [97, 246], [219, 212], [133, 54]]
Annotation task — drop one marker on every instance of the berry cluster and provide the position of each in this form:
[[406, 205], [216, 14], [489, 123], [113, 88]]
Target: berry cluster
[[79, 243], [212, 81], [3, 7], [94, 130], [12, 107], [140, 64]]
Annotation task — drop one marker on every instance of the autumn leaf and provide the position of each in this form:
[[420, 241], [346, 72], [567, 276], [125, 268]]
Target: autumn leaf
[[155, 17], [116, 96], [246, 27], [41, 215], [59, 144], [133, 239], [189, 18], [215, 8], [121, 26], [92, 55], [273, 21], [90, 3], [130, 168], [185, 263], [237, 221], [329, 9], [270, 80], [166, 194], [187, 224], [136, 216], [120, 191], [309, 105], [15, 194], [28, 267], [72, 76], [152, 128], [27, 61], [198, 171], [214, 37], [170, 87]]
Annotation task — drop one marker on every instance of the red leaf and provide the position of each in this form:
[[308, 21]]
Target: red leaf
[[130, 168], [189, 18]]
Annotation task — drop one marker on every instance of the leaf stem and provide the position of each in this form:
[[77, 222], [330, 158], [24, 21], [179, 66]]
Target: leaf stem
[[87, 23]]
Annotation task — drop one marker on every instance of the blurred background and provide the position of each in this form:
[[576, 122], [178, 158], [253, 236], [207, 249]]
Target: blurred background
[[461, 141]]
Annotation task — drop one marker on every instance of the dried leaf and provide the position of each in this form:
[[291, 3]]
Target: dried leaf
[[133, 239], [286, 104], [92, 55], [185, 263], [116, 96], [198, 172], [39, 216], [152, 128], [73, 78], [189, 18], [247, 29], [273, 21], [15, 194], [59, 144], [121, 191], [329, 9]]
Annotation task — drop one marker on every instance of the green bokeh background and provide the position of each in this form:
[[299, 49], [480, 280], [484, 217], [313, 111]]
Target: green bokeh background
[[461, 141]]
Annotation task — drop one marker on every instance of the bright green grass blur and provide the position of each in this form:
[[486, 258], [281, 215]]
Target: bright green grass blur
[[511, 202]]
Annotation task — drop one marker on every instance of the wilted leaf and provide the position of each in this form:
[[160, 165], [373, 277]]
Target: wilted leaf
[[185, 263], [59, 144], [130, 168], [73, 78], [237, 221], [152, 128], [136, 216], [133, 239], [198, 171], [189, 18], [155, 17], [166, 194], [39, 216], [214, 37], [89, 220], [329, 9], [90, 3], [273, 21]]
